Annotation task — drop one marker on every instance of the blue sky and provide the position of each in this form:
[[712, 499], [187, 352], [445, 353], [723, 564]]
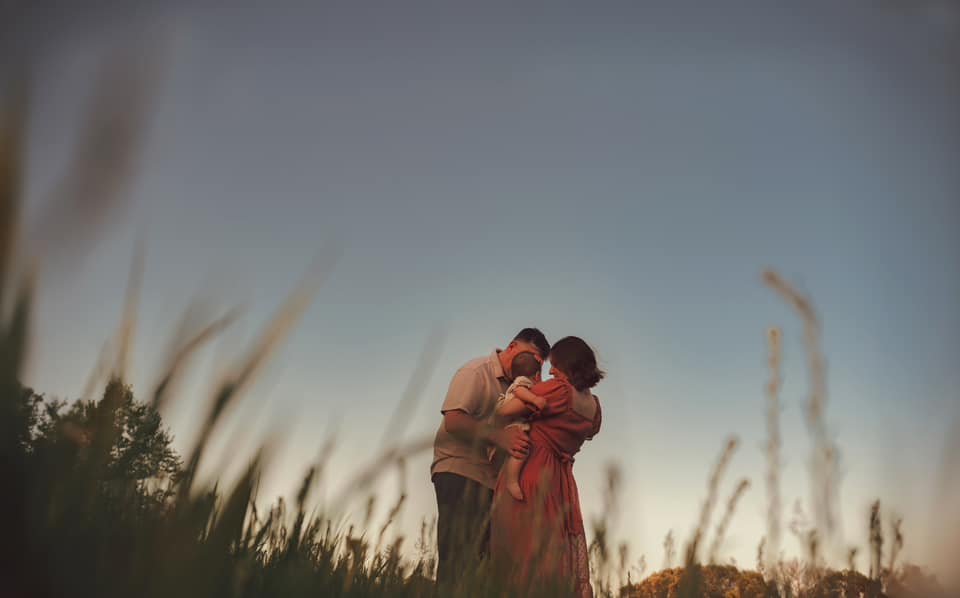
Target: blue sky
[[619, 172]]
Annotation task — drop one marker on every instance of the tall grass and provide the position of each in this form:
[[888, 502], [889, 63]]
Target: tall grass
[[824, 481], [84, 518], [770, 545]]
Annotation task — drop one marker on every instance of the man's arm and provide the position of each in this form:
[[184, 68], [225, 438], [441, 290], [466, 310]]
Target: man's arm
[[470, 429]]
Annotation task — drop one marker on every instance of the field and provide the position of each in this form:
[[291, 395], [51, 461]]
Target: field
[[96, 503]]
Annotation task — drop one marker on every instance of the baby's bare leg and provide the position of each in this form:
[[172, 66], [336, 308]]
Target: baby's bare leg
[[513, 467]]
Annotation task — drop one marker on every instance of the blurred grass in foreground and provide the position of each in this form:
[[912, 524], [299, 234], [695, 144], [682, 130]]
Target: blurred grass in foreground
[[96, 503]]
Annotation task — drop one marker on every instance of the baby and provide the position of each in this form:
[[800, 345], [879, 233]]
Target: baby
[[526, 371]]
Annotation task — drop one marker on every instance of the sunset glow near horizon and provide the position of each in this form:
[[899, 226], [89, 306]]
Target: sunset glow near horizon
[[615, 172]]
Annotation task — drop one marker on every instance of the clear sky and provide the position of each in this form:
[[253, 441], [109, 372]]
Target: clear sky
[[618, 171]]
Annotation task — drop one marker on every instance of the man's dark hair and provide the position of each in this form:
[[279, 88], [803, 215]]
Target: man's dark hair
[[535, 338], [525, 364]]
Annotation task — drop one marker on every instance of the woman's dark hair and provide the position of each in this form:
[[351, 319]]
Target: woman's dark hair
[[574, 357]]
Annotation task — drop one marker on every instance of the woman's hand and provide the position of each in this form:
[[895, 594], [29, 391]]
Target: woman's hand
[[539, 401]]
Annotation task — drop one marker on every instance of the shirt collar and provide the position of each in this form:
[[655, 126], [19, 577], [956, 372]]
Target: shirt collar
[[497, 366]]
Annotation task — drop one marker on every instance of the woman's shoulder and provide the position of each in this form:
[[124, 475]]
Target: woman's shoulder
[[551, 386], [586, 405]]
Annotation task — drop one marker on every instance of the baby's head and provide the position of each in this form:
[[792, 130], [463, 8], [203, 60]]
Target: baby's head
[[525, 364]]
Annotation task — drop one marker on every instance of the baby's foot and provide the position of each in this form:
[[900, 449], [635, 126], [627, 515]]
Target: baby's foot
[[514, 489]]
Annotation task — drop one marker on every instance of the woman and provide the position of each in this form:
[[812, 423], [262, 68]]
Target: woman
[[540, 539]]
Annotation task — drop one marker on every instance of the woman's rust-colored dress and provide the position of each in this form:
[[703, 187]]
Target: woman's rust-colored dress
[[542, 537]]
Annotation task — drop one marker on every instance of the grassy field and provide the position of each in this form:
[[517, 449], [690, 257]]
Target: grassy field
[[96, 503]]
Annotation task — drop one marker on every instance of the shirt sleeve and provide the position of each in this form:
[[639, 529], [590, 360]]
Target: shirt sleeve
[[556, 395], [464, 393]]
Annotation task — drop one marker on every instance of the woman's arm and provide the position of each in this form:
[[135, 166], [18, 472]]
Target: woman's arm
[[556, 396], [513, 407], [525, 395]]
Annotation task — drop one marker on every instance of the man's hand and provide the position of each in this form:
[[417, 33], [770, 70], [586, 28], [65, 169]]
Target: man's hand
[[512, 440]]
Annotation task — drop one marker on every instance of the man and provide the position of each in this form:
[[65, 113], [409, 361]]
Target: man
[[462, 475]]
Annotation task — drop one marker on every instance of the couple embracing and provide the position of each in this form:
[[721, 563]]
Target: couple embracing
[[503, 464]]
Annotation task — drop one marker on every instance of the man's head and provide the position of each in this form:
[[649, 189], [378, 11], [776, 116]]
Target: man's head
[[528, 340], [526, 364]]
